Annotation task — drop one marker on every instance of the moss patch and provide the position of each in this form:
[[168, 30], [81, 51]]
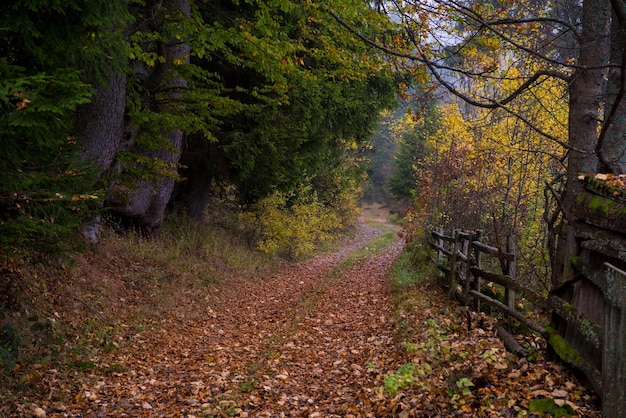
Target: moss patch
[[548, 406], [565, 351]]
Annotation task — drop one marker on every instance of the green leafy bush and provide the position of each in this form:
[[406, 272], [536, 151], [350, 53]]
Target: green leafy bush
[[404, 377]]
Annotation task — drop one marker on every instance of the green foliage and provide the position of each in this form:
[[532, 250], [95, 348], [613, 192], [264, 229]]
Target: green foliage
[[85, 35], [290, 96], [43, 189], [115, 368], [412, 133], [48, 50], [413, 267], [310, 95], [83, 365], [380, 164], [464, 385], [404, 377], [293, 225]]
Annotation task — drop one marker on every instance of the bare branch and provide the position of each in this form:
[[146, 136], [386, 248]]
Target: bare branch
[[434, 69], [491, 25], [542, 133], [619, 7], [372, 43]]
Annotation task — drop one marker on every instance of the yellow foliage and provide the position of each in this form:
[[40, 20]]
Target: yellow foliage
[[294, 229], [487, 167], [492, 161]]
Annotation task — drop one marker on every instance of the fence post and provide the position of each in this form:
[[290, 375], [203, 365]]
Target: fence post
[[509, 295], [467, 250], [439, 245], [614, 347], [477, 257], [453, 259]]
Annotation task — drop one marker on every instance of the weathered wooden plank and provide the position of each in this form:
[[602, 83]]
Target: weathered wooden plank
[[440, 249], [453, 265], [595, 276], [438, 235], [464, 235], [531, 323], [508, 282], [603, 212], [509, 292], [468, 265], [441, 246], [592, 332], [601, 241], [478, 259], [613, 358], [570, 355], [493, 251]]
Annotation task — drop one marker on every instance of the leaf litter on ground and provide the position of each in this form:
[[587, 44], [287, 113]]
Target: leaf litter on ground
[[318, 338]]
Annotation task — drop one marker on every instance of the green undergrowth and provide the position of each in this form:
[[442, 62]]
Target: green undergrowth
[[412, 269], [65, 313], [202, 250], [451, 363], [429, 329]]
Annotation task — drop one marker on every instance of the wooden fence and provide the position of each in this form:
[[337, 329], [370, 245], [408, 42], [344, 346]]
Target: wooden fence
[[591, 338]]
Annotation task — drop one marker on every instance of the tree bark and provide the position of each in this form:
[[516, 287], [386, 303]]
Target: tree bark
[[100, 126], [202, 162], [101, 122], [612, 142], [587, 92], [146, 203]]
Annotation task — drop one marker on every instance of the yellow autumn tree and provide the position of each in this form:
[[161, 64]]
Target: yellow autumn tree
[[488, 170]]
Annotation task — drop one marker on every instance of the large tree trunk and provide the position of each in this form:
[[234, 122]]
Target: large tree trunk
[[587, 92], [202, 162], [612, 145], [587, 96], [101, 130], [145, 204], [101, 122]]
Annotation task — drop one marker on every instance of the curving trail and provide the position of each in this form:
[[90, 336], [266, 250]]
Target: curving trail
[[315, 339], [307, 341]]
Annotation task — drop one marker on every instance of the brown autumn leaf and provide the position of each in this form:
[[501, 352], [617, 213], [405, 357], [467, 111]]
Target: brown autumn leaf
[[302, 341]]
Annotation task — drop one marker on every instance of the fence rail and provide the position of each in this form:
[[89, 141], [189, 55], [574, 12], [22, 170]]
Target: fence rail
[[593, 345]]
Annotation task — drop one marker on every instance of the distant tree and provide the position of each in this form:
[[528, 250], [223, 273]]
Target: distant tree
[[381, 163], [527, 43], [415, 130]]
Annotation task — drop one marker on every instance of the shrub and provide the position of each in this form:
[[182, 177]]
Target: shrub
[[293, 225]]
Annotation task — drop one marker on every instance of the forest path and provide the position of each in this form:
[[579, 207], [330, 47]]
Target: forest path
[[323, 337], [314, 339]]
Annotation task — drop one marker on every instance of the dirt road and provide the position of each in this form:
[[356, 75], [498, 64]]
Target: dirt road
[[311, 340]]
